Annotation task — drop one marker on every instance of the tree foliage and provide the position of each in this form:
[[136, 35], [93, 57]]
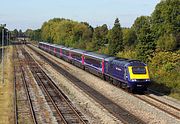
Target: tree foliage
[[129, 37], [116, 38], [99, 37], [33, 34], [66, 32], [166, 20], [145, 40], [165, 68]]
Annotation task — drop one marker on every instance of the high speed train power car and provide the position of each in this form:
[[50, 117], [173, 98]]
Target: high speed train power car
[[126, 73]]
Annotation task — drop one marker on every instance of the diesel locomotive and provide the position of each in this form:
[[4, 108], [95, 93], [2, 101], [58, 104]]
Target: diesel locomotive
[[125, 73]]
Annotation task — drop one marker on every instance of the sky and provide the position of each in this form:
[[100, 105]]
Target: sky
[[31, 14]]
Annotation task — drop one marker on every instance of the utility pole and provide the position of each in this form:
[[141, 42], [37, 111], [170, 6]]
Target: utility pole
[[7, 37], [3, 25], [2, 56]]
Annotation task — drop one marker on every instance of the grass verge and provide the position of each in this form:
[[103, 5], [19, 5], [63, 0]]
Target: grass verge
[[6, 89]]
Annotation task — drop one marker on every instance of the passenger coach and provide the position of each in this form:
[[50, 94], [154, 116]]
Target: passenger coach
[[126, 73]]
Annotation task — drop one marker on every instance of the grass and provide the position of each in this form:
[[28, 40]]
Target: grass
[[6, 89]]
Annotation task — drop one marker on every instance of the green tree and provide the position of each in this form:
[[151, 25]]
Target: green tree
[[29, 32], [14, 33], [116, 39], [34, 34], [145, 40], [37, 35], [20, 33], [66, 32], [166, 19], [86, 37], [129, 37], [99, 37]]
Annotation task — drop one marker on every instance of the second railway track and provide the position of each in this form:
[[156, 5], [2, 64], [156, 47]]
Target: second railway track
[[163, 106], [62, 108], [24, 111]]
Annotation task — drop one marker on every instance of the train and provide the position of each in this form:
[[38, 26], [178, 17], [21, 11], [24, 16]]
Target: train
[[129, 74]]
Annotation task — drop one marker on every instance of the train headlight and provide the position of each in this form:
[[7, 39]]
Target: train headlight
[[134, 80]]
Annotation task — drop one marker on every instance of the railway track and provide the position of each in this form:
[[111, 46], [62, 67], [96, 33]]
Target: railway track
[[163, 106], [61, 106], [116, 110], [21, 103]]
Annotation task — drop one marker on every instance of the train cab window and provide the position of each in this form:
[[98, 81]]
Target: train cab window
[[139, 70]]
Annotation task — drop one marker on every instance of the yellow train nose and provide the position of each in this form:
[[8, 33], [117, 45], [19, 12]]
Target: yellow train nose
[[137, 75]]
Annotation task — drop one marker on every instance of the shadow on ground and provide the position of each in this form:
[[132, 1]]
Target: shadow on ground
[[160, 88]]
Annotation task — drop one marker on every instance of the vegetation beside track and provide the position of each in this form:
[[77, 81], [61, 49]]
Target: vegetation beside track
[[165, 67], [6, 89]]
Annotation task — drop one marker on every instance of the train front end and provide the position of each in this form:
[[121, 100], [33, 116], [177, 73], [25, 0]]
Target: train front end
[[138, 78]]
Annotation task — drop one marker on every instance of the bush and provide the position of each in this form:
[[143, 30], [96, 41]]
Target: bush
[[164, 69], [127, 54]]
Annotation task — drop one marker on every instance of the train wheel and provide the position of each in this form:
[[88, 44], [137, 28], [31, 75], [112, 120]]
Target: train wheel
[[82, 67], [130, 89], [107, 78], [120, 84], [124, 86], [103, 76]]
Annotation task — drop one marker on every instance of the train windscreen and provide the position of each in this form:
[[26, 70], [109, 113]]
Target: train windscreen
[[139, 70]]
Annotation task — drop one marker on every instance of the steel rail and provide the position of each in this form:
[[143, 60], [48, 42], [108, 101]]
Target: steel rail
[[36, 70], [27, 91], [15, 93], [160, 108]]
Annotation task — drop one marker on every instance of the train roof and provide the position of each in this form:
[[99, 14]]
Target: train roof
[[46, 43], [136, 63], [52, 45], [67, 48], [43, 43], [59, 46], [110, 58], [96, 55], [78, 51], [127, 62]]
